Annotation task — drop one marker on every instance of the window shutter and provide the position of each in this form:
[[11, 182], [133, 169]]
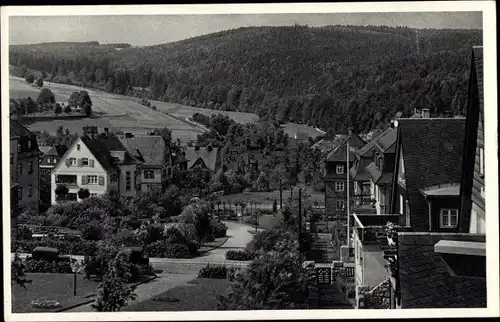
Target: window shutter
[[91, 163], [79, 162], [68, 162], [84, 180], [101, 180]]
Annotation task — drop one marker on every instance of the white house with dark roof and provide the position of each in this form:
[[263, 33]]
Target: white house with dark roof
[[203, 157], [156, 160], [95, 164]]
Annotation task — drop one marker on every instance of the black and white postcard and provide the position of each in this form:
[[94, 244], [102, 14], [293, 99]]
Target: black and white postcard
[[250, 161]]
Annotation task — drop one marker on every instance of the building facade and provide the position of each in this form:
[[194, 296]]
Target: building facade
[[25, 169], [157, 169], [472, 208], [94, 164]]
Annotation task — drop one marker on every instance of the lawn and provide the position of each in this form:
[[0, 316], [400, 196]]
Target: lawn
[[58, 287], [218, 242], [199, 294]]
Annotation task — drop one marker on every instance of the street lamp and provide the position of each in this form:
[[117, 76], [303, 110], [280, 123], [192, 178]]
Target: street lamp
[[76, 267]]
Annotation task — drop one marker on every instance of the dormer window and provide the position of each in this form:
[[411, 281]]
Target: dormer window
[[448, 218], [340, 169]]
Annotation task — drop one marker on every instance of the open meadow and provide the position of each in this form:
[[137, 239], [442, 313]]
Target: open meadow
[[126, 114]]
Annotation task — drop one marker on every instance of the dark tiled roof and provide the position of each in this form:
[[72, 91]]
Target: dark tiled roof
[[340, 153], [377, 176], [478, 64], [101, 152], [113, 143], [432, 151], [151, 148], [17, 129], [387, 141], [425, 277], [210, 158]]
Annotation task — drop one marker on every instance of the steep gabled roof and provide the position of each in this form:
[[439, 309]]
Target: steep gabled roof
[[425, 278], [340, 153], [151, 148], [210, 158], [378, 177], [432, 152], [57, 150], [17, 130], [101, 152], [387, 141], [114, 144]]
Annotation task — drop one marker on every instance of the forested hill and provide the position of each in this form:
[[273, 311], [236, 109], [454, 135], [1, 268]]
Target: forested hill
[[331, 77]]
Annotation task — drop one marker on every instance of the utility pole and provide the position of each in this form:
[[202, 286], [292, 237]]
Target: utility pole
[[348, 200], [300, 218], [281, 194]]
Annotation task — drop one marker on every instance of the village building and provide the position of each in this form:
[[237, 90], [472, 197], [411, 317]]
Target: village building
[[426, 182], [206, 158], [49, 158], [24, 164], [335, 179], [95, 163], [472, 208], [157, 169]]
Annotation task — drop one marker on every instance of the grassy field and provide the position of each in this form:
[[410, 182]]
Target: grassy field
[[58, 287], [115, 112], [197, 295], [141, 119]]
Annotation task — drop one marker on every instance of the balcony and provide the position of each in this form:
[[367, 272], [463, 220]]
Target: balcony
[[363, 204], [67, 180], [370, 229]]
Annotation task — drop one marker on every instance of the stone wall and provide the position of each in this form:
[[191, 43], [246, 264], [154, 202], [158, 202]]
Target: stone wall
[[376, 298]]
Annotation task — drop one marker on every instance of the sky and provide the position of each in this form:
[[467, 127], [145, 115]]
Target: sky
[[152, 30]]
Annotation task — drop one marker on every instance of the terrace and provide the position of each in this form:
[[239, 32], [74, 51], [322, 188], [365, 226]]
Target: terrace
[[371, 228]]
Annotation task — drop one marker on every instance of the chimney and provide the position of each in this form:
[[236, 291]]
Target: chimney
[[425, 113]]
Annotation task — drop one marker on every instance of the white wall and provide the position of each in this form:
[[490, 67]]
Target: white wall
[[62, 169]]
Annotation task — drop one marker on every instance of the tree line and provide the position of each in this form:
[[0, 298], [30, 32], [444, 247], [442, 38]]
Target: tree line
[[331, 77]]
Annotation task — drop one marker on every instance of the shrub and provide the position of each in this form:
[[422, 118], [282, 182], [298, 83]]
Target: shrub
[[251, 221], [213, 271], [266, 240], [76, 247], [219, 228], [43, 266], [92, 231], [237, 255], [163, 249]]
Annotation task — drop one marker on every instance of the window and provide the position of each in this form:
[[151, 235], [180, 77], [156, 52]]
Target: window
[[128, 181], [401, 204], [30, 167], [19, 147], [93, 194], [149, 174], [448, 218], [339, 186], [30, 191], [66, 179], [164, 173], [481, 161], [92, 180], [408, 223], [114, 177], [20, 168], [29, 144], [85, 162], [339, 204], [20, 193], [78, 147], [340, 169], [72, 161], [169, 171]]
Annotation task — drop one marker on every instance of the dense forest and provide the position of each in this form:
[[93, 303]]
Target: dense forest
[[333, 77]]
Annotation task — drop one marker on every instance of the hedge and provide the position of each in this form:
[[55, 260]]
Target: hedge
[[81, 247], [237, 255], [43, 266], [163, 249], [214, 271], [219, 229]]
